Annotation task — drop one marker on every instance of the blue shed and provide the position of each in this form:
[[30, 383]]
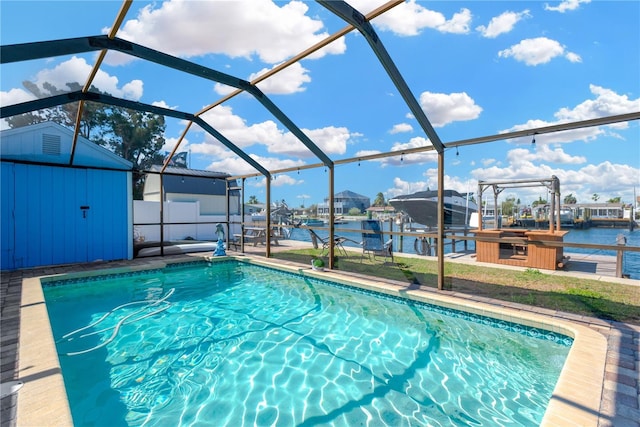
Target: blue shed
[[56, 213]]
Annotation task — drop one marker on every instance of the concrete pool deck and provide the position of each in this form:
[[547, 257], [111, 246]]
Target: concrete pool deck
[[611, 355]]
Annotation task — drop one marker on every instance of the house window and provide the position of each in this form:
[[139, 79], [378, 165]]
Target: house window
[[51, 144]]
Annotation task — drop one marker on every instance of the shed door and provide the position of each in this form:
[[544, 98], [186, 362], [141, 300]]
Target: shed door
[[56, 215], [51, 226]]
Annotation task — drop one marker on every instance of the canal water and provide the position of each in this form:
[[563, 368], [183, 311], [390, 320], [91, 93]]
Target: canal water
[[594, 235]]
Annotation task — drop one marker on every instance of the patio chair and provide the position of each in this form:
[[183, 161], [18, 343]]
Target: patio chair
[[373, 242], [317, 240]]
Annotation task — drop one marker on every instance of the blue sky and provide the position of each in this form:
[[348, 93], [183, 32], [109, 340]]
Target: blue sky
[[476, 68]]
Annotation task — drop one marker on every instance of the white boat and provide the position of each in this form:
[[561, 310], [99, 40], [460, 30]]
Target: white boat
[[422, 207], [280, 214]]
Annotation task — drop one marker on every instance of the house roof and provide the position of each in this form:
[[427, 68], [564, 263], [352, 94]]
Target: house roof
[[349, 195], [189, 172]]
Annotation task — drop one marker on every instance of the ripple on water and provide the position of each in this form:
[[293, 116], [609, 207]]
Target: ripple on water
[[273, 349]]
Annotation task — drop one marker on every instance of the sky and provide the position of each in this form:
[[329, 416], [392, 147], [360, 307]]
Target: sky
[[476, 68]]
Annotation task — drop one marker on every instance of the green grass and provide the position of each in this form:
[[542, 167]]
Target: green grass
[[593, 298]]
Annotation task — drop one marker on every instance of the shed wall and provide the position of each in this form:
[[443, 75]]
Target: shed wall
[[57, 215]]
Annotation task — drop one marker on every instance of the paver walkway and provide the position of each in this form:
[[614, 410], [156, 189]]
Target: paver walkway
[[620, 405]]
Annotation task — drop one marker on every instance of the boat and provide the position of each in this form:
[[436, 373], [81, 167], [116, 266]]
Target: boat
[[280, 214], [336, 220], [422, 207]]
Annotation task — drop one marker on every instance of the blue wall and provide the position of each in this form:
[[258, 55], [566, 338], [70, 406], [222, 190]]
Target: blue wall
[[42, 219]]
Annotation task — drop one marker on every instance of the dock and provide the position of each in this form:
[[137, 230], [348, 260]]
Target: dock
[[585, 266]]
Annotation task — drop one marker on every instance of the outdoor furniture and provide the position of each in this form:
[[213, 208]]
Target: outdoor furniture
[[256, 235], [316, 240], [373, 242]]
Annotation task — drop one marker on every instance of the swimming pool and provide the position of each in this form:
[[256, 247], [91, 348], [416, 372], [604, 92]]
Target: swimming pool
[[234, 344]]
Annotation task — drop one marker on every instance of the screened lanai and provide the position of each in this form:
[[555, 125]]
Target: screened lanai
[[206, 112], [266, 114]]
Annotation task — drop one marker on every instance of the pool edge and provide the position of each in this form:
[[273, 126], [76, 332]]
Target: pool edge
[[575, 401], [43, 398]]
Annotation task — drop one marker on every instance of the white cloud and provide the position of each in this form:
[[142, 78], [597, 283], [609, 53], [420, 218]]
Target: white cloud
[[234, 165], [442, 109], [15, 96], [287, 81], [604, 178], [606, 103], [163, 104], [458, 24], [401, 186], [405, 159], [545, 154], [400, 128], [410, 18], [331, 140], [76, 70], [537, 51], [502, 24], [272, 31], [132, 90], [170, 143], [565, 5], [573, 57]]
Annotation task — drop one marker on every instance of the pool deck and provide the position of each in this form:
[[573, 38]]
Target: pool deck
[[619, 404]]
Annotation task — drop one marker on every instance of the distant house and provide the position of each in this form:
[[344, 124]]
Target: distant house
[[344, 202], [604, 210], [194, 202], [55, 211], [208, 189]]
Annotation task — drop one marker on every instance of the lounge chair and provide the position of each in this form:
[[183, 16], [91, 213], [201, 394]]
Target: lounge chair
[[317, 240], [373, 242]]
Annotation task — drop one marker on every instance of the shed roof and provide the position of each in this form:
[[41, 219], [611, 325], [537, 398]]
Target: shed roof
[[50, 142]]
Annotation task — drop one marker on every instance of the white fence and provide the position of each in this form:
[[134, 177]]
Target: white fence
[[199, 227]]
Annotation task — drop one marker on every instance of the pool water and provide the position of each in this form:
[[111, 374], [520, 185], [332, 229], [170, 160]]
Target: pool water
[[233, 344]]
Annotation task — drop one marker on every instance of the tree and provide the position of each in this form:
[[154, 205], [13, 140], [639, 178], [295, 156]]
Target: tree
[[569, 199], [379, 200], [92, 114], [253, 200], [135, 136], [540, 201], [615, 200], [508, 206]]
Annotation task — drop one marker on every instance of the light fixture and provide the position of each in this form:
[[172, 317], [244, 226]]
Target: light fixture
[[457, 152], [533, 140]]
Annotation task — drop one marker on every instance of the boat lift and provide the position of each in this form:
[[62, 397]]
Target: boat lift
[[553, 184], [522, 248]]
